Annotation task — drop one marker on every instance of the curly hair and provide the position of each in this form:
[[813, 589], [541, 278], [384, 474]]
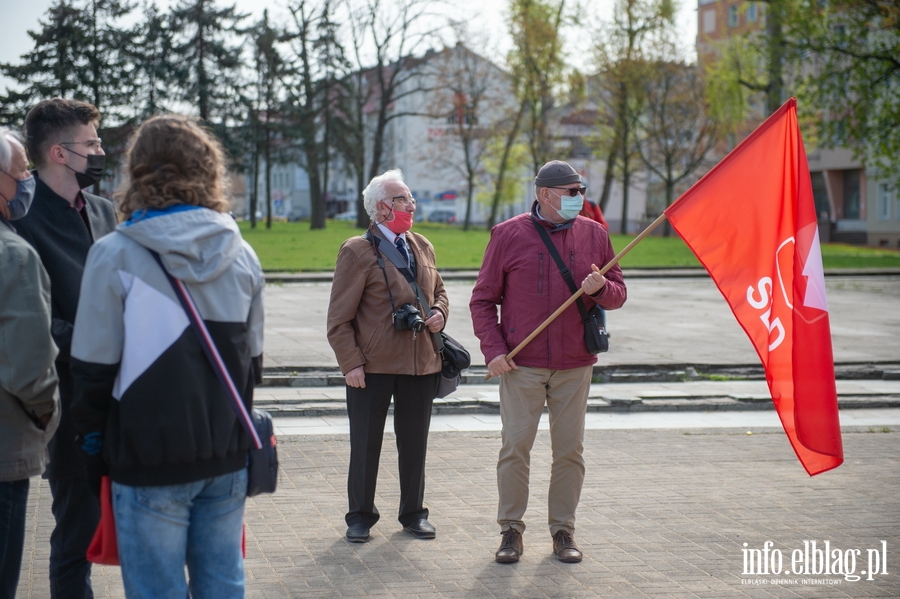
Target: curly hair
[[173, 160]]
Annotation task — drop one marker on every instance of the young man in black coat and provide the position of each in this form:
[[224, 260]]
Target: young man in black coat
[[63, 223]]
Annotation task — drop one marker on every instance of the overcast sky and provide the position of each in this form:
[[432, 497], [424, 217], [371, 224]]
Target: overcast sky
[[21, 16]]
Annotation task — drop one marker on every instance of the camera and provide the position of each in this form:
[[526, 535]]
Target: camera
[[408, 318]]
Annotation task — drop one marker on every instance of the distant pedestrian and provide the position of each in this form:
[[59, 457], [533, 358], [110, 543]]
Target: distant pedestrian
[[593, 212], [520, 277], [63, 223], [377, 329], [29, 402], [149, 406]]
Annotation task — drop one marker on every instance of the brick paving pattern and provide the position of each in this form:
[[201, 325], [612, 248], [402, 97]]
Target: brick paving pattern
[[664, 513]]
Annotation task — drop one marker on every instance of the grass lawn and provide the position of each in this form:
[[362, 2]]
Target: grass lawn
[[294, 247]]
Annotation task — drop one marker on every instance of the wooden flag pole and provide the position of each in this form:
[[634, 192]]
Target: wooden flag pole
[[578, 293]]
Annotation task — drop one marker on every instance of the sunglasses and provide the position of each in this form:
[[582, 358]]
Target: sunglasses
[[573, 191]]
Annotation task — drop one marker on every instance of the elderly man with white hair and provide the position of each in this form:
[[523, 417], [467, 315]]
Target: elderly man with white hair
[[379, 331], [29, 402]]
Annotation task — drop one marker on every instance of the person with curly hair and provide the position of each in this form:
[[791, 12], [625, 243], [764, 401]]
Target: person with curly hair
[[150, 409]]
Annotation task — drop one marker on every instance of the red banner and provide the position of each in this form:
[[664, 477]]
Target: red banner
[[751, 221]]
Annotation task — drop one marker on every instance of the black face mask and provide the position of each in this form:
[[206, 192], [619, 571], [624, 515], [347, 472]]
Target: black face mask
[[96, 163]]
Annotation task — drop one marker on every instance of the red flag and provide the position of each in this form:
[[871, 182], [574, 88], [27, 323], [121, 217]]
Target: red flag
[[751, 221]]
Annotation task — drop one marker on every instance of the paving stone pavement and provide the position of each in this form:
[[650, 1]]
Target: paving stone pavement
[[664, 513]]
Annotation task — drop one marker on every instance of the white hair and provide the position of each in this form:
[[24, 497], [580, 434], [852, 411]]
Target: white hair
[[374, 191], [7, 136]]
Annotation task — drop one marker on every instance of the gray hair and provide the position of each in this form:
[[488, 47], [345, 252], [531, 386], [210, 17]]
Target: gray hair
[[7, 135], [374, 191]]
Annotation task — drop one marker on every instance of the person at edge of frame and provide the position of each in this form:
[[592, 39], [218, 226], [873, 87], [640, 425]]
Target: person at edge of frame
[[62, 225], [29, 399]]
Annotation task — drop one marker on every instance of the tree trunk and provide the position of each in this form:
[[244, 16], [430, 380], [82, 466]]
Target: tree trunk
[[608, 177], [775, 42], [268, 179], [504, 164]]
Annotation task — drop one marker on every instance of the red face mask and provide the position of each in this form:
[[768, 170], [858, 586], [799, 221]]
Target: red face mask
[[401, 223]]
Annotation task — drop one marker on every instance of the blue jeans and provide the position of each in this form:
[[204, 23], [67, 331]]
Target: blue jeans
[[13, 505], [160, 529]]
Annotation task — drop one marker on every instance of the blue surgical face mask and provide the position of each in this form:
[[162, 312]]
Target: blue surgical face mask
[[569, 207], [18, 206]]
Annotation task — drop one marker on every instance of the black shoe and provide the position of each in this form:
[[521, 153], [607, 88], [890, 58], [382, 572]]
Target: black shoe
[[511, 547], [421, 529], [565, 548], [358, 533]]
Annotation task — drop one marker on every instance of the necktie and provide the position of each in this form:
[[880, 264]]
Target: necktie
[[401, 247]]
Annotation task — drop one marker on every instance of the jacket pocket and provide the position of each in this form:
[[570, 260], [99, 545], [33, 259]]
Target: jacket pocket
[[372, 342]]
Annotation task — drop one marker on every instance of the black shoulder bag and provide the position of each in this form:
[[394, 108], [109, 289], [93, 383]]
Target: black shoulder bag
[[262, 458], [454, 357], [595, 337]]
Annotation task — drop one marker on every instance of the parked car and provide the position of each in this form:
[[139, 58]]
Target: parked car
[[349, 215], [442, 216]]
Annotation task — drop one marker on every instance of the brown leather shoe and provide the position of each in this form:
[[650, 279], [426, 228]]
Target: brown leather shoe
[[510, 547], [565, 548]]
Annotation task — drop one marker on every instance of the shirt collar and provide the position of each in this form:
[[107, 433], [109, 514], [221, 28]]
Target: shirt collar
[[554, 227], [388, 234]]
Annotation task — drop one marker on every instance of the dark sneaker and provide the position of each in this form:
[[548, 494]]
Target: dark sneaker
[[510, 547], [565, 548]]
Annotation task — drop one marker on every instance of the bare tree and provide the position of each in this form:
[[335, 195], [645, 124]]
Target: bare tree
[[677, 131], [385, 38], [536, 61], [622, 66], [470, 98]]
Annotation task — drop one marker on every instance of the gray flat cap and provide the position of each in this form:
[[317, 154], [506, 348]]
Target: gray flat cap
[[555, 173]]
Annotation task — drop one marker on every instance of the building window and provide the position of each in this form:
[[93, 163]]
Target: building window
[[752, 13], [885, 196], [709, 21], [733, 16], [820, 194], [851, 194]]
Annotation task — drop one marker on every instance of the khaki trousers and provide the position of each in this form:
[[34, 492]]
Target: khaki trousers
[[523, 394]]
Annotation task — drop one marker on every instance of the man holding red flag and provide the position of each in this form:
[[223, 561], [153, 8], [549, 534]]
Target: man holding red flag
[[521, 278], [751, 221]]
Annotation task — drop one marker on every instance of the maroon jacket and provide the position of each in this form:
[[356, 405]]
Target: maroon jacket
[[521, 277]]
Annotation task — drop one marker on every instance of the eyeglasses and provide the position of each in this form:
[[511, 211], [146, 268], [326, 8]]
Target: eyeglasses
[[405, 200], [572, 191], [93, 144]]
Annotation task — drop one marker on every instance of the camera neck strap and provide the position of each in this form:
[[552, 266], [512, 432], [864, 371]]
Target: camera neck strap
[[399, 261], [563, 270]]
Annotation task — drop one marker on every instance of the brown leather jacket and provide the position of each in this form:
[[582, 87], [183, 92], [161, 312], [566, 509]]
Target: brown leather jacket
[[360, 329]]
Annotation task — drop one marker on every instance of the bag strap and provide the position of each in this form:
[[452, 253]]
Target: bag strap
[[394, 256], [566, 274], [212, 352]]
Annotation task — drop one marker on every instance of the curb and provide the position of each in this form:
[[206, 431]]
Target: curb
[[300, 376], [628, 273], [464, 406]]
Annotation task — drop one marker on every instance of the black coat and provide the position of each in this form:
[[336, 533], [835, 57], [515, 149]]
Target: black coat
[[58, 233]]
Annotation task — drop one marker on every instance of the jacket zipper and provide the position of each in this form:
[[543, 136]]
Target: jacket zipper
[[540, 273]]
